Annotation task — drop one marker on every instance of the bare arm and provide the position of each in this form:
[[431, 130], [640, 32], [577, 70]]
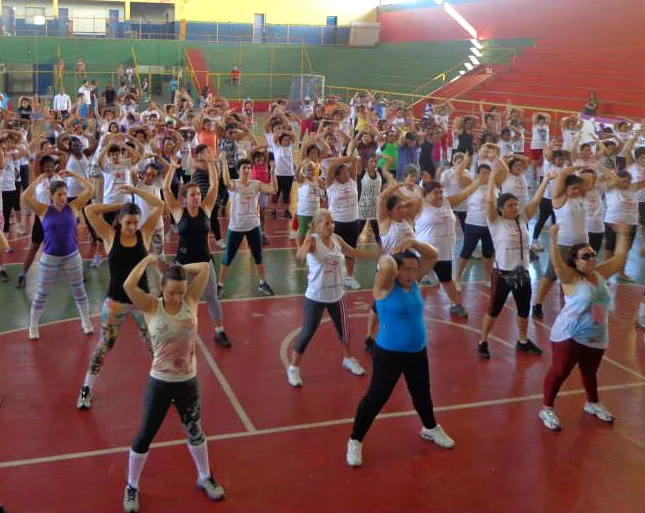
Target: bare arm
[[28, 197], [532, 206], [565, 273], [176, 208], [94, 216], [208, 203], [144, 301], [615, 264]]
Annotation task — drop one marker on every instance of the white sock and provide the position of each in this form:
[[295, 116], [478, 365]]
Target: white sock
[[200, 457], [219, 329], [136, 462], [641, 310], [90, 379], [262, 282]]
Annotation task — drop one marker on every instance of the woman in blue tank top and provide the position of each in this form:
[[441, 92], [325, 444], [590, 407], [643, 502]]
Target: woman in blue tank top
[[400, 345]]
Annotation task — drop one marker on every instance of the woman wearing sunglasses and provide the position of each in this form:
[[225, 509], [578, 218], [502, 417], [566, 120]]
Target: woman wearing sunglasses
[[579, 334]]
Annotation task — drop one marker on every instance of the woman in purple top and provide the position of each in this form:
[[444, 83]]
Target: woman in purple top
[[60, 251]]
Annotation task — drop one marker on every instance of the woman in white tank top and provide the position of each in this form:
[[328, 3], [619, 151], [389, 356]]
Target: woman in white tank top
[[435, 225], [324, 252], [570, 213], [371, 183], [595, 190]]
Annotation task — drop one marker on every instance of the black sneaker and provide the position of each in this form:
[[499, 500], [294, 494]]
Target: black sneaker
[[287, 214], [265, 241], [22, 283], [265, 289], [482, 351], [220, 291], [4, 277], [84, 401], [528, 347], [369, 344], [537, 312], [533, 255], [2, 509], [221, 339]]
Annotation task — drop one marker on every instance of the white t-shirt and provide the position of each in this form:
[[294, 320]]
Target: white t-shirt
[[146, 208], [518, 186], [42, 190], [511, 242], [80, 167], [622, 206], [638, 175], [436, 226], [343, 201], [450, 182], [477, 207], [325, 279], [540, 137], [506, 148], [550, 167], [572, 220], [309, 195], [283, 160], [244, 206], [114, 176], [518, 143], [86, 91], [370, 189], [9, 175], [568, 136], [595, 209], [395, 235]]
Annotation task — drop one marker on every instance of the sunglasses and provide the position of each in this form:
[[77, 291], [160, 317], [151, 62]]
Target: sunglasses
[[588, 256]]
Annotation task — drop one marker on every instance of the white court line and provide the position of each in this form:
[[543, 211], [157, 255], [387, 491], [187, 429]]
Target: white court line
[[302, 427], [237, 406], [613, 362]]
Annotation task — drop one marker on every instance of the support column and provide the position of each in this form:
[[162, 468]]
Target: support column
[[127, 10], [54, 7]]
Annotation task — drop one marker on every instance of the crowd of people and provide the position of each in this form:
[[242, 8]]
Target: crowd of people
[[130, 177]]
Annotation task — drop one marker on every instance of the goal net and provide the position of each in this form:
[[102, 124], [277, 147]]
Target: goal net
[[303, 86]]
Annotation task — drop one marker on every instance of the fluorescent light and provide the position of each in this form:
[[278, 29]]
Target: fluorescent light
[[476, 44], [462, 72], [468, 65], [439, 1], [39, 20], [475, 51], [474, 60]]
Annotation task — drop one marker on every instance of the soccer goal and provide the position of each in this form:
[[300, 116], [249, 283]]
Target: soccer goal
[[302, 86]]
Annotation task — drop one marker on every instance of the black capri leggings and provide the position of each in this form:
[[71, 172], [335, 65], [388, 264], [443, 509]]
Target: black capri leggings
[[157, 399], [215, 228], [284, 188], [443, 270], [10, 200], [254, 239], [499, 291], [94, 238], [595, 240], [610, 236], [546, 211], [387, 367], [312, 315], [373, 225], [472, 235], [461, 217], [348, 231]]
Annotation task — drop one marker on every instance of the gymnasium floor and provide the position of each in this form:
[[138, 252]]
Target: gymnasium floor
[[279, 449]]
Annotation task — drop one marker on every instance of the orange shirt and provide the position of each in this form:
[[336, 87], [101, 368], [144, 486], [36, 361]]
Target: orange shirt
[[208, 138]]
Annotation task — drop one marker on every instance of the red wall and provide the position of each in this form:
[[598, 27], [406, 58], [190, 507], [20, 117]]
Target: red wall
[[514, 19]]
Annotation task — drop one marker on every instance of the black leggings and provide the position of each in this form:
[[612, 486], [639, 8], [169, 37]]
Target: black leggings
[[461, 217], [387, 367], [94, 238], [311, 317], [158, 398], [546, 211], [284, 188], [10, 201], [500, 291], [374, 225], [215, 228], [472, 235], [254, 239], [595, 240]]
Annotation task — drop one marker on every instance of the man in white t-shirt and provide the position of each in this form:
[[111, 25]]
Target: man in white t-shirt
[[62, 103], [86, 91]]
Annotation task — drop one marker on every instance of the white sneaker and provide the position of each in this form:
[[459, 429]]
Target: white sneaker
[[33, 332], [293, 235], [438, 436], [293, 375], [354, 453], [96, 261], [550, 419], [21, 231], [88, 328], [130, 499], [537, 246], [486, 283], [352, 283], [430, 279], [211, 488], [220, 244], [600, 411], [353, 366]]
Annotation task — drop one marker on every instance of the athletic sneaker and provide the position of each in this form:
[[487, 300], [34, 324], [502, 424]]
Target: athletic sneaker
[[477, 254], [640, 320], [482, 351], [292, 235], [354, 453], [624, 278], [210, 487], [537, 312], [221, 339], [430, 279], [287, 214], [265, 289], [22, 282], [9, 250], [353, 366], [528, 347], [600, 411], [21, 231], [4, 277], [220, 244], [96, 261], [369, 344], [33, 332], [130, 499], [533, 257], [220, 291], [352, 283], [88, 328], [550, 418], [459, 311], [536, 245], [84, 401], [293, 375], [265, 241], [438, 436]]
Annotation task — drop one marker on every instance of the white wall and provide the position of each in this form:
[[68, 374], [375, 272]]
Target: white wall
[[20, 6], [91, 17], [152, 12]]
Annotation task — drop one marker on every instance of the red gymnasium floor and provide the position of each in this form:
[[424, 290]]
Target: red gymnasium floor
[[279, 449]]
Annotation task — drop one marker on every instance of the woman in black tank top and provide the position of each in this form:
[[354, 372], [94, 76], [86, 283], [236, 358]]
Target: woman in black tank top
[[193, 224], [126, 245]]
